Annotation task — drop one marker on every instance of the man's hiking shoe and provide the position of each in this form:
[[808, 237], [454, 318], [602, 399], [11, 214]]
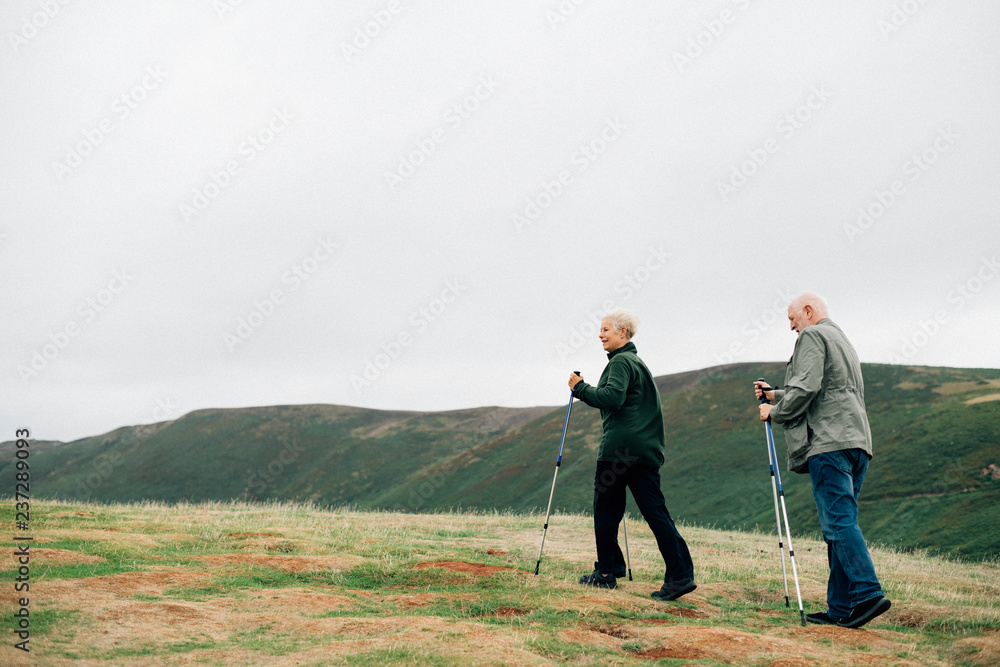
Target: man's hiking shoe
[[821, 618], [599, 579], [865, 612], [671, 590]]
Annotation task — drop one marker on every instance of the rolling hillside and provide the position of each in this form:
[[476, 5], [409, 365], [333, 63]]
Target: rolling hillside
[[933, 484]]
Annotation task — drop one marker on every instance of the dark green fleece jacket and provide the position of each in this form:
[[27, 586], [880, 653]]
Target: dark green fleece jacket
[[630, 410]]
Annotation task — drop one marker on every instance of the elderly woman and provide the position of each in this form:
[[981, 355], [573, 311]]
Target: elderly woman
[[630, 456]]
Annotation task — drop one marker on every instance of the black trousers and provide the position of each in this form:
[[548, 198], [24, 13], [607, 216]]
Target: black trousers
[[610, 482]]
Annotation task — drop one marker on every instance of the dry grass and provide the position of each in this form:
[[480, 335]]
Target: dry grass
[[284, 584]]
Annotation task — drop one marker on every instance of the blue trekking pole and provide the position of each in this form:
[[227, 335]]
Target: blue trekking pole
[[554, 476], [779, 492]]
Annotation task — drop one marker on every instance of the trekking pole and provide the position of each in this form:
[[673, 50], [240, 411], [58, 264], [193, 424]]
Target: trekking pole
[[627, 559], [554, 476], [772, 456], [774, 492]]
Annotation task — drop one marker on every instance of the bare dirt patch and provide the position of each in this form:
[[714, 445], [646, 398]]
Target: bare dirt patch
[[284, 600], [585, 605], [983, 399], [843, 636], [675, 653], [590, 638], [614, 630], [120, 539], [507, 612], [947, 388], [684, 642], [64, 556], [909, 386], [126, 584], [415, 600], [656, 621], [982, 650], [684, 612], [477, 569]]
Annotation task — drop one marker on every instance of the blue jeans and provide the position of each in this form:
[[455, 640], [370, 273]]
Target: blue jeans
[[836, 483], [610, 482]]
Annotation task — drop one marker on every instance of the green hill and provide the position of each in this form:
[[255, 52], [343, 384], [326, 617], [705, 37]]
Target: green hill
[[931, 484]]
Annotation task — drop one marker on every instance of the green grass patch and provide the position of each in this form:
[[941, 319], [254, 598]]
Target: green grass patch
[[373, 576]]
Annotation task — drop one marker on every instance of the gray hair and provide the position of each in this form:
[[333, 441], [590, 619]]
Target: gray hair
[[810, 299], [622, 318]]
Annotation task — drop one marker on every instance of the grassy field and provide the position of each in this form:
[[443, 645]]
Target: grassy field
[[293, 584]]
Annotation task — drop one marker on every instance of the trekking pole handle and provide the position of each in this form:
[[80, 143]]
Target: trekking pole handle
[[763, 391], [763, 397]]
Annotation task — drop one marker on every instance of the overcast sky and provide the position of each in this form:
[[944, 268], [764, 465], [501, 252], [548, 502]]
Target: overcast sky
[[426, 205]]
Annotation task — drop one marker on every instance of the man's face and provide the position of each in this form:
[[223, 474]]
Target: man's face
[[797, 319]]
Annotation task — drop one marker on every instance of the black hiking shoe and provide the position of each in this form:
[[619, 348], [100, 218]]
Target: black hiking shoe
[[821, 618], [673, 589], [599, 579], [866, 611]]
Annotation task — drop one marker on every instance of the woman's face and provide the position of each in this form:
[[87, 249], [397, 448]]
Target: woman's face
[[611, 339]]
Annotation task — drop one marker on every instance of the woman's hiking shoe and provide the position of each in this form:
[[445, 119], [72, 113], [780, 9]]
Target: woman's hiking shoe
[[599, 579], [671, 590], [866, 611]]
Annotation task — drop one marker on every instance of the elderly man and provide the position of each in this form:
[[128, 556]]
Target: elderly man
[[822, 410]]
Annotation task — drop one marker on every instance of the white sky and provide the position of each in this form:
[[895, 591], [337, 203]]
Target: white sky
[[460, 191]]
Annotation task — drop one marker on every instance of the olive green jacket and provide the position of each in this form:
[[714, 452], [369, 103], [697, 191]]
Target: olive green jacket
[[631, 416], [822, 405]]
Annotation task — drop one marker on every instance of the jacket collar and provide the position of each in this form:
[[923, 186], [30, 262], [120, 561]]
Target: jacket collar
[[627, 347]]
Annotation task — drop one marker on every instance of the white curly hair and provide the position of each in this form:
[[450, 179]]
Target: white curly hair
[[622, 318]]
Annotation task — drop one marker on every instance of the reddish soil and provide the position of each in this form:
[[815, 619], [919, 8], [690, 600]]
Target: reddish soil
[[679, 653], [284, 563], [655, 621], [63, 556], [618, 631], [508, 612]]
